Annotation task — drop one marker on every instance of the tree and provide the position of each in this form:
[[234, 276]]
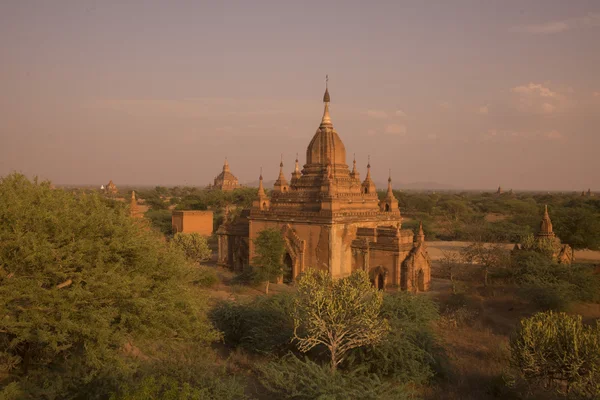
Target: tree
[[450, 262], [558, 350], [267, 264], [86, 294], [486, 251], [194, 246], [339, 314]]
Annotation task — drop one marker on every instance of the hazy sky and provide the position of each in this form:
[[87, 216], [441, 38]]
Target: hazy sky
[[468, 93]]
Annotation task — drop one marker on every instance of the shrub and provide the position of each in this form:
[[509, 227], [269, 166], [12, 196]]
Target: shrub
[[194, 246], [161, 220], [291, 378], [203, 276], [410, 351], [182, 378], [553, 286], [264, 325], [556, 349]]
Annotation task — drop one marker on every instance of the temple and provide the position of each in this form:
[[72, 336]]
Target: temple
[[225, 180], [331, 220], [111, 188], [134, 209], [546, 238]]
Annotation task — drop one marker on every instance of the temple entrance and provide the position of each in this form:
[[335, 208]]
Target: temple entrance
[[380, 282], [288, 273], [421, 281]]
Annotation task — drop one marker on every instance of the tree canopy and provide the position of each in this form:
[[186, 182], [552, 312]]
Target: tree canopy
[[340, 314], [86, 294], [267, 264]]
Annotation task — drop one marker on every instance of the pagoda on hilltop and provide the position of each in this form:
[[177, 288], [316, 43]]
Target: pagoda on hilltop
[[331, 220]]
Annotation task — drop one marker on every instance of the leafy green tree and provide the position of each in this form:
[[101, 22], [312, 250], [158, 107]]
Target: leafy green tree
[[410, 351], [161, 220], [559, 351], [86, 294], [340, 314], [194, 246], [267, 263]]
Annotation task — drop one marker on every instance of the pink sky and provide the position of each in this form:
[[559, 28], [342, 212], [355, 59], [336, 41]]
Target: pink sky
[[467, 93]]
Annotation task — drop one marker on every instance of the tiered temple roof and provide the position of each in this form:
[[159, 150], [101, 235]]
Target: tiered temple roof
[[225, 180], [325, 187]]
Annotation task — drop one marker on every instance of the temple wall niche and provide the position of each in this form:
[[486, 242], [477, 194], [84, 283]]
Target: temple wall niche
[[342, 235], [387, 260]]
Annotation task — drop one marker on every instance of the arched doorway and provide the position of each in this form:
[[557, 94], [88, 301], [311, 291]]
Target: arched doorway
[[288, 273], [380, 282], [421, 281], [387, 207]]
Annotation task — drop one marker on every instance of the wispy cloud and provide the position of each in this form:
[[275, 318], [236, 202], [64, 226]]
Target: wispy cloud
[[483, 110], [400, 113], [379, 114], [551, 27], [596, 94], [497, 135], [537, 98], [395, 129], [445, 105]]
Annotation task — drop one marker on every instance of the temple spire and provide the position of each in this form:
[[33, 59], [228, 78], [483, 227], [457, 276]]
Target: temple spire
[[326, 120], [261, 189], [281, 184], [389, 189], [296, 174], [281, 166], [226, 165], [546, 225], [368, 186], [297, 167], [354, 173], [420, 235]]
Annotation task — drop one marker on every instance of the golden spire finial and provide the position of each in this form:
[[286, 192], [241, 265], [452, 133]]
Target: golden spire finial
[[297, 168], [326, 120]]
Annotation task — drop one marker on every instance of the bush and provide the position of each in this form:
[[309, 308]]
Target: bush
[[194, 246], [264, 325], [407, 309], [410, 351], [557, 350], [182, 378], [553, 286], [161, 220], [291, 378], [203, 276]]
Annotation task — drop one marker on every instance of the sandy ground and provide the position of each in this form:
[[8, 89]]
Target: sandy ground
[[436, 250]]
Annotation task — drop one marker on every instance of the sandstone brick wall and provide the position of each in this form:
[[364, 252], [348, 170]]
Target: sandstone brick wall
[[192, 221]]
